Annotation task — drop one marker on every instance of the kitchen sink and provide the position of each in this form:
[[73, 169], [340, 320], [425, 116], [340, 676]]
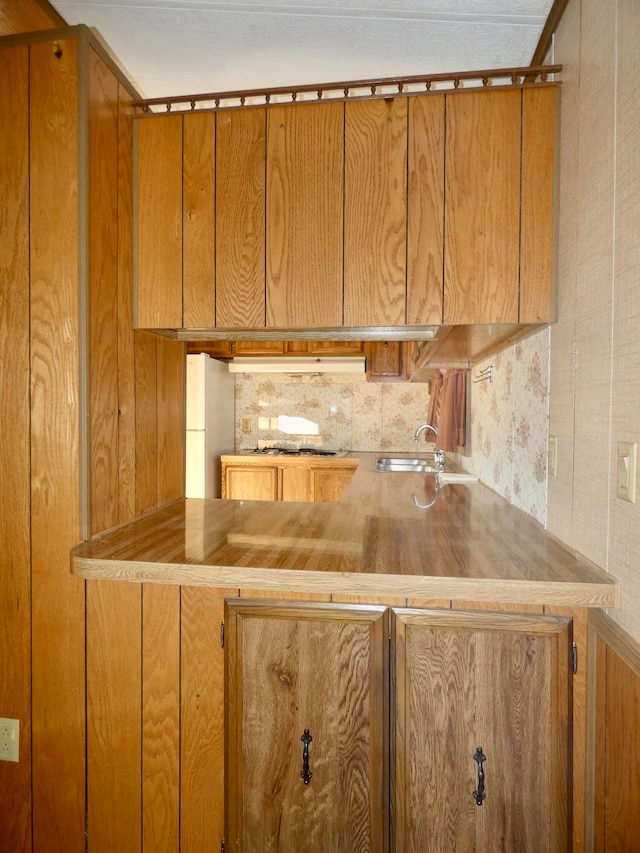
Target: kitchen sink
[[415, 466]]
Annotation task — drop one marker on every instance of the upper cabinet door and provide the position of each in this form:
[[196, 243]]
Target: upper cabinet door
[[482, 202], [305, 160], [198, 273], [306, 727], [159, 243], [496, 681], [240, 218], [375, 244], [425, 213]]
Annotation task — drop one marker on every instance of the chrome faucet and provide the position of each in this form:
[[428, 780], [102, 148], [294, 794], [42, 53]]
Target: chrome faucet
[[422, 428], [438, 455]]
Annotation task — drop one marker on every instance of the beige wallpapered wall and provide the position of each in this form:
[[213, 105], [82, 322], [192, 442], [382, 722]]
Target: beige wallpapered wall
[[595, 346]]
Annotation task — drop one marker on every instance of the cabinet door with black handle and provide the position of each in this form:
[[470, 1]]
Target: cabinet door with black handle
[[480, 732], [306, 727]]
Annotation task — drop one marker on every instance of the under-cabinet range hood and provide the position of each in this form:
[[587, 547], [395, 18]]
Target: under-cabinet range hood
[[310, 364]]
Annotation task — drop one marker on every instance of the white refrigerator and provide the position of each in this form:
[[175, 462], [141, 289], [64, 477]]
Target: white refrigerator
[[210, 423]]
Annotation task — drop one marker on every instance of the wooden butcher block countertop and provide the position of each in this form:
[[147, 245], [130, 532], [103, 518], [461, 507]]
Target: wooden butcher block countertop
[[471, 544]]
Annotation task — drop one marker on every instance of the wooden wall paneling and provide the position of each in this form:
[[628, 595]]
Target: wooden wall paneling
[[240, 218], [202, 719], [114, 660], [103, 294], [58, 614], [304, 215], [375, 212], [126, 335], [170, 419], [146, 422], [159, 223], [579, 688], [536, 210], [425, 212], [15, 572], [198, 226], [114, 653], [161, 718], [482, 203], [599, 746]]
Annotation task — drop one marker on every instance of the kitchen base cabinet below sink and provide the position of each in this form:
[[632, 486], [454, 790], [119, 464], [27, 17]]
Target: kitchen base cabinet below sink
[[352, 727]]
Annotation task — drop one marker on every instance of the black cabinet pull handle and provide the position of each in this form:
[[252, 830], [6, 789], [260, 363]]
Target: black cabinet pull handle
[[306, 773], [479, 794]]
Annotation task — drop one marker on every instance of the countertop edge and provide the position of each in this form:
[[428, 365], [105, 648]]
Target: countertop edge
[[345, 583]]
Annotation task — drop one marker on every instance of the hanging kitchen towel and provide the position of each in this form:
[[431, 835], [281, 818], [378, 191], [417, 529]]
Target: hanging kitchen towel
[[447, 408]]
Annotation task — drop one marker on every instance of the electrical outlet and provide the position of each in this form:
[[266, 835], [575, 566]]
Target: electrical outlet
[[9, 739], [246, 425]]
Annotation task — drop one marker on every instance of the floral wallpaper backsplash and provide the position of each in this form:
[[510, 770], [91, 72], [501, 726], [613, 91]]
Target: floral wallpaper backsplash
[[333, 411], [508, 424]]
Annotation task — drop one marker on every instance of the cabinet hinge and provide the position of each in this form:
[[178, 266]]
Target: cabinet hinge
[[222, 844], [574, 657], [222, 644]]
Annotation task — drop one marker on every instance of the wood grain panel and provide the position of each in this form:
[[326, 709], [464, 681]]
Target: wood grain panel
[[126, 335], [159, 218], [475, 679], [202, 720], [146, 426], [15, 594], [304, 215], [58, 636], [170, 419], [198, 226], [161, 718], [255, 483], [425, 212], [114, 660], [103, 294], [306, 666], [294, 484], [536, 241], [375, 212], [26, 16], [579, 706], [482, 204], [240, 218]]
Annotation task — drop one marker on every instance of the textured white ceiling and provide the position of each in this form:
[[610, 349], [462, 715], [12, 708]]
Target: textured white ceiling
[[182, 47]]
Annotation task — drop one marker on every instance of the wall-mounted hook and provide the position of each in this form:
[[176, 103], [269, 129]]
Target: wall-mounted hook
[[487, 373]]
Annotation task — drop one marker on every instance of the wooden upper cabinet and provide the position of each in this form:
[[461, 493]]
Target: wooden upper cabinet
[[496, 681], [425, 212], [375, 231], [159, 243], [482, 203], [536, 248], [198, 273], [305, 155], [240, 218]]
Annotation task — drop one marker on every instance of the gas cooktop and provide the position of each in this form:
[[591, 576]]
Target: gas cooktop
[[297, 451]]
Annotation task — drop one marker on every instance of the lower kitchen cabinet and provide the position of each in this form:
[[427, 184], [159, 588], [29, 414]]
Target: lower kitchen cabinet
[[481, 746], [250, 483], [478, 706], [306, 727], [285, 481]]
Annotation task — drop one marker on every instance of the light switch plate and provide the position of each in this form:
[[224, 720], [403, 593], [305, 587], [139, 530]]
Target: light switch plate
[[627, 456]]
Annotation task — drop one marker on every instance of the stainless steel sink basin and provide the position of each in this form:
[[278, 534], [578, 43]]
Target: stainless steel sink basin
[[415, 466]]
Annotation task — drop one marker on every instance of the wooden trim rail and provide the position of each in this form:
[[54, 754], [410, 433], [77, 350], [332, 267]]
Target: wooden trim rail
[[380, 87]]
